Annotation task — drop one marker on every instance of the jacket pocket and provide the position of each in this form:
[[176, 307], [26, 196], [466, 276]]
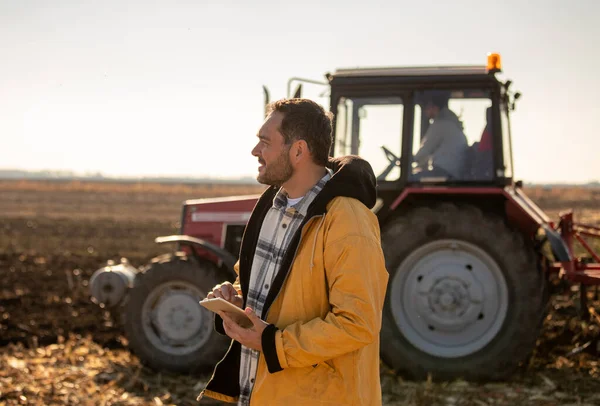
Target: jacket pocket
[[321, 381]]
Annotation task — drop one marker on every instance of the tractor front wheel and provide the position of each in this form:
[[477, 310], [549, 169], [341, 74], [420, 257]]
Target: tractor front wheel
[[463, 298], [164, 323]]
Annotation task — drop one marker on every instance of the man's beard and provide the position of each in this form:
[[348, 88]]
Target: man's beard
[[278, 172]]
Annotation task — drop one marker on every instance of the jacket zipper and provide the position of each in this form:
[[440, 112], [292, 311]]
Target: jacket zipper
[[283, 283], [293, 259]]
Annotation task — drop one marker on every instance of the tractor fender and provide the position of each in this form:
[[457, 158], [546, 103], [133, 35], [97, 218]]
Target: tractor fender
[[519, 210], [228, 259]]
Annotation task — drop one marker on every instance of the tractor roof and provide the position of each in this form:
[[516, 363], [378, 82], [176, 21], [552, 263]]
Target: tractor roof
[[412, 71], [420, 73], [478, 75]]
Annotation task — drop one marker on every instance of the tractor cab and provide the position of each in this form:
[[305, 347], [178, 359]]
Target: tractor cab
[[434, 126]]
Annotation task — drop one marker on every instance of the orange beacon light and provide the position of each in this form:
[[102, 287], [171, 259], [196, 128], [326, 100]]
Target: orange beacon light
[[494, 63]]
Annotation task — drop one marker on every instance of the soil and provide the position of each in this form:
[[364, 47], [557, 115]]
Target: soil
[[58, 347]]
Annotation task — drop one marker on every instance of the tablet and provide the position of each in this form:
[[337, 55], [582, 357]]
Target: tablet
[[237, 314]]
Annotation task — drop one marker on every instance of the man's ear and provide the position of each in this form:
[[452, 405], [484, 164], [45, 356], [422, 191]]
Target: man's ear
[[300, 151]]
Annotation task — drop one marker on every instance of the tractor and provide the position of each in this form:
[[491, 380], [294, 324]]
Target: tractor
[[468, 253]]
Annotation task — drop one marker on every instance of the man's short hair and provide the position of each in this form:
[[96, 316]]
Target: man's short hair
[[306, 120], [438, 98]]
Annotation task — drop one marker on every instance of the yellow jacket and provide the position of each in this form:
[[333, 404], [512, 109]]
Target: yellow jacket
[[322, 346]]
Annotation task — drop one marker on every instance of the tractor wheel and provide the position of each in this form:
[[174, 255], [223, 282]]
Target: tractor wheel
[[464, 297], [165, 325]]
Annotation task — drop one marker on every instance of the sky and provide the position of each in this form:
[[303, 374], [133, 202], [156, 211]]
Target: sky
[[174, 88]]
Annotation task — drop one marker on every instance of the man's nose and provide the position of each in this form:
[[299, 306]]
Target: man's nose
[[255, 150]]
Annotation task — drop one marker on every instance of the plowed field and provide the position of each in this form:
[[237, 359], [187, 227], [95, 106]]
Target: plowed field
[[57, 347]]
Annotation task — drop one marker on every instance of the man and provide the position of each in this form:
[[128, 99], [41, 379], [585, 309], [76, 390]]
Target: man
[[311, 274], [444, 142]]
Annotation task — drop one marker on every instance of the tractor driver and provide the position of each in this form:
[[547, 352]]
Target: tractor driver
[[444, 143]]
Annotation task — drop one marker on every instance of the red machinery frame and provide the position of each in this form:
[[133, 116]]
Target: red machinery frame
[[578, 270]]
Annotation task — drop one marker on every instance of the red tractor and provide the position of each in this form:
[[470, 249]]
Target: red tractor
[[469, 255]]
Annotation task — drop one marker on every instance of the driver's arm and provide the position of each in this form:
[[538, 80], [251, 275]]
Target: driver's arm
[[430, 143]]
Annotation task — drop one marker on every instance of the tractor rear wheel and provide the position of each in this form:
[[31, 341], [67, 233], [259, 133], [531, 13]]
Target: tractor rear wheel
[[165, 325], [464, 295]]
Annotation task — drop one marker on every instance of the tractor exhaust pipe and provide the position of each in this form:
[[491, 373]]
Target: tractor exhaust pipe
[[267, 97]]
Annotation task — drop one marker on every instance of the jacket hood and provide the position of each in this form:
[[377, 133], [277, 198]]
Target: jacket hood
[[352, 177]]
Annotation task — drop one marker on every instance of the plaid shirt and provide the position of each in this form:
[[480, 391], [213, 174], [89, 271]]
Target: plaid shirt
[[278, 228]]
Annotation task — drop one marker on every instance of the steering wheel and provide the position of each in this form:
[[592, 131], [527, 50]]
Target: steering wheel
[[394, 161], [391, 156]]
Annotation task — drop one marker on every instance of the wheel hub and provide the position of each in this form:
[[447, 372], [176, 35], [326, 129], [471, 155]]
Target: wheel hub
[[449, 298], [173, 319], [178, 316], [448, 303]]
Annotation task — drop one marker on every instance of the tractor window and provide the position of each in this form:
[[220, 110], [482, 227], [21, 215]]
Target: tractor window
[[452, 136], [372, 129]]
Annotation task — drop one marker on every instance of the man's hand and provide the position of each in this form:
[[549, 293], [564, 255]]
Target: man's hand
[[226, 291], [249, 337]]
